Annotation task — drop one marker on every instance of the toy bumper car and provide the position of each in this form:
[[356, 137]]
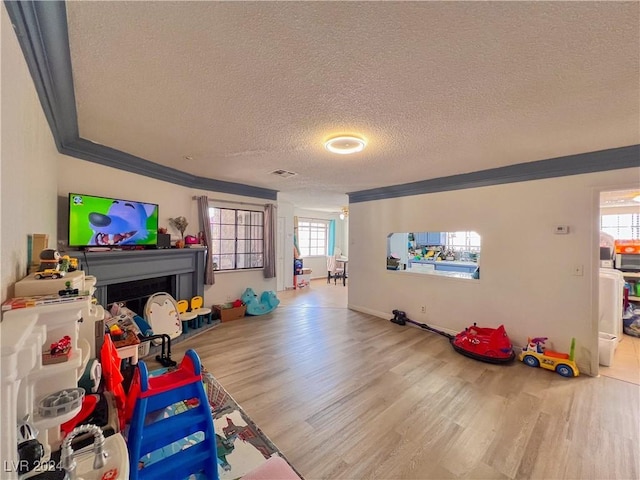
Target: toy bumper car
[[486, 344]]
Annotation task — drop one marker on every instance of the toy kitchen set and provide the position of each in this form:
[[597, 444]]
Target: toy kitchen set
[[51, 427]]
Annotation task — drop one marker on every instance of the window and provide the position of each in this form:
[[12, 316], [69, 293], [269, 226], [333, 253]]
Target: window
[[463, 241], [621, 227], [446, 254], [312, 237], [237, 238]]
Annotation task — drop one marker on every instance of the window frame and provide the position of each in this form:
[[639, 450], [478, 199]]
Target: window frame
[[245, 239], [633, 225], [324, 248]]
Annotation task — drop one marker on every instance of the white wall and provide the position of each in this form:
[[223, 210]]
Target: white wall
[[526, 280], [28, 162], [79, 176]]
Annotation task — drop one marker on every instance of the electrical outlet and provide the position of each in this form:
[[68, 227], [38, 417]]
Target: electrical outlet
[[423, 309], [228, 298]]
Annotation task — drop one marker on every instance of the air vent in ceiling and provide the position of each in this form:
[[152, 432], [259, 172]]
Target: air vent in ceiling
[[283, 173]]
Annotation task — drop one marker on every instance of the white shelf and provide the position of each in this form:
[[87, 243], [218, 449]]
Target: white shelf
[[633, 298], [630, 274]]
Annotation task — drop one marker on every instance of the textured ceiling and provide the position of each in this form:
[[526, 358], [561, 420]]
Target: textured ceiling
[[437, 88]]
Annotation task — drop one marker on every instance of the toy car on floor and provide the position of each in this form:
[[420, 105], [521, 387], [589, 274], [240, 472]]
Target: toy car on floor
[[486, 344], [535, 354], [490, 345]]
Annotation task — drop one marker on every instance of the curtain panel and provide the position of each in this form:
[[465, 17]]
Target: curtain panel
[[205, 224], [269, 241]]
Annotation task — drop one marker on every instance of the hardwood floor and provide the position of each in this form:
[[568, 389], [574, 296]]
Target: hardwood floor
[[350, 396], [626, 361]]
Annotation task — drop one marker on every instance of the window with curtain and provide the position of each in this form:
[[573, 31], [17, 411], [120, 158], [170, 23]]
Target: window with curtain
[[312, 237], [625, 226], [237, 238]]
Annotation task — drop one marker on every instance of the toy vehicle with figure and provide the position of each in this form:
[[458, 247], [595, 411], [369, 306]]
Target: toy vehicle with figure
[[49, 273], [535, 354], [68, 291]]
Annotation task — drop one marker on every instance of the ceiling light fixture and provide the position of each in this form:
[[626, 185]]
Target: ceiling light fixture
[[344, 213], [636, 198], [345, 144]]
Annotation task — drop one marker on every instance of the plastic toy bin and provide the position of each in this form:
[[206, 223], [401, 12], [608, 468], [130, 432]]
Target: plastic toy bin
[[606, 348]]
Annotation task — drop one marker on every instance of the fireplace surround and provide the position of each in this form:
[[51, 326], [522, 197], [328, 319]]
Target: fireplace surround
[[134, 273]]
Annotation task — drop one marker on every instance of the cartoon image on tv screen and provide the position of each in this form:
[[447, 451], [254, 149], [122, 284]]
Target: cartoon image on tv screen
[[111, 222]]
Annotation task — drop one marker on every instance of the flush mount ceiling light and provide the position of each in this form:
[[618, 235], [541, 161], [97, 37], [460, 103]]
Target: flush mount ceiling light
[[344, 213], [345, 144]]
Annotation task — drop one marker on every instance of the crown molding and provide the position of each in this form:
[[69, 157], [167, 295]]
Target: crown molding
[[599, 161], [42, 31]]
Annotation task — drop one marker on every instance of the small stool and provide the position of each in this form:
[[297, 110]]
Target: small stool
[[186, 317], [202, 312]]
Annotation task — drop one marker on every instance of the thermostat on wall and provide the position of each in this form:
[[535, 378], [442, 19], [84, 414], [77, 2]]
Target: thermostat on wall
[[561, 229]]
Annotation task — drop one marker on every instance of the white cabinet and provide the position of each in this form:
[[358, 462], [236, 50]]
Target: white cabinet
[[24, 334]]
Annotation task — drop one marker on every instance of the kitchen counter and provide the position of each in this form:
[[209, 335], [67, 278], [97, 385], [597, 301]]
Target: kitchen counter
[[447, 265]]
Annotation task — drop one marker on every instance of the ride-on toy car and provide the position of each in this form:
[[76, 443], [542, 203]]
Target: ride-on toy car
[[486, 344], [490, 345], [535, 354]]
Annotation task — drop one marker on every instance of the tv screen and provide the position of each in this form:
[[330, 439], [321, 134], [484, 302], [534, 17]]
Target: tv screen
[[111, 222]]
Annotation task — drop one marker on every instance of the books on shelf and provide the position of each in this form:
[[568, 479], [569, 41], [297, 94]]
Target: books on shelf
[[37, 300]]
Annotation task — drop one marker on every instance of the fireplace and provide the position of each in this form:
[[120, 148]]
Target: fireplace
[[134, 275], [135, 294]]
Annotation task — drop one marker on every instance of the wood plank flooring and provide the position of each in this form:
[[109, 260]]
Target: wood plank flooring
[[350, 396], [626, 361]]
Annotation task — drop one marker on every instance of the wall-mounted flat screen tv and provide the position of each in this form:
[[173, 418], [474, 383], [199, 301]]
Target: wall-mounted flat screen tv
[[111, 222]]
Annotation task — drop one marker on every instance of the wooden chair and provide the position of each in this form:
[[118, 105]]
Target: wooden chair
[[202, 312]]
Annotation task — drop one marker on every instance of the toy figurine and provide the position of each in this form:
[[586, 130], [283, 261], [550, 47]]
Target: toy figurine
[[68, 291], [50, 265], [49, 260]]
